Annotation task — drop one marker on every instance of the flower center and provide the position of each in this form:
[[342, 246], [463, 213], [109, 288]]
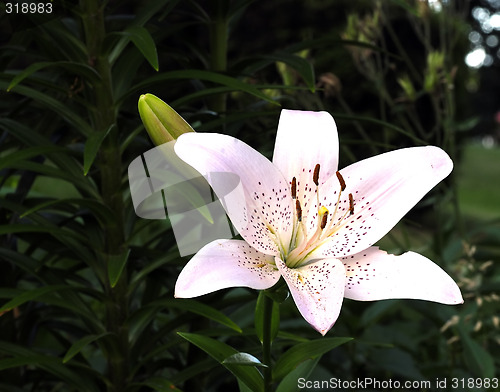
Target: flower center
[[302, 243]]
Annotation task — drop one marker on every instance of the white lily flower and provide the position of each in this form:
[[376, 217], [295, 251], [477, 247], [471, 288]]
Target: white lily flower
[[303, 220]]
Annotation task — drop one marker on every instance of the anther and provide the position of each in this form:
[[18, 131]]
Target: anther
[[299, 210], [316, 175], [341, 180], [294, 188], [323, 221], [351, 204]]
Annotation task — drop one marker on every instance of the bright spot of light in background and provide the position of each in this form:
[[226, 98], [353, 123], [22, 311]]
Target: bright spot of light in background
[[435, 5], [495, 21], [488, 22], [475, 59]]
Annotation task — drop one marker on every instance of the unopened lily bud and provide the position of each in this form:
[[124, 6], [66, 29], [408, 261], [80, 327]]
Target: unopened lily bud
[[162, 122]]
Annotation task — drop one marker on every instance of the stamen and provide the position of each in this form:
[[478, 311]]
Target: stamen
[[294, 188], [316, 174], [323, 221], [351, 204], [299, 210], [341, 180]]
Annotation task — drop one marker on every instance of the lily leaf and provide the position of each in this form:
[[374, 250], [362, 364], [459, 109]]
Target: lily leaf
[[304, 351], [208, 76], [302, 371], [299, 64], [116, 265], [79, 345], [30, 295], [92, 146], [145, 43], [248, 375], [81, 69], [243, 359], [193, 306]]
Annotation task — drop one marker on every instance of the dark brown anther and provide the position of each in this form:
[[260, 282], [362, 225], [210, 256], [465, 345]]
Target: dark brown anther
[[316, 175], [341, 180], [323, 220], [294, 188], [351, 204], [298, 208]]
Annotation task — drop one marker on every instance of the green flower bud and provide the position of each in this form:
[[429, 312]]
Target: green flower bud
[[162, 122]]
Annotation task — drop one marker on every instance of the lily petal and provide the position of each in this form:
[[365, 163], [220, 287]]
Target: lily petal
[[317, 289], [303, 140], [384, 188], [226, 263], [259, 204], [374, 275]]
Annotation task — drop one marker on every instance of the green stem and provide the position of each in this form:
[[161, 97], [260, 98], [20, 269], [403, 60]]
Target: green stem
[[266, 343], [110, 168], [218, 49]]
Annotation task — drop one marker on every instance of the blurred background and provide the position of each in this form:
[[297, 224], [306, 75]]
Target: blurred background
[[86, 286]]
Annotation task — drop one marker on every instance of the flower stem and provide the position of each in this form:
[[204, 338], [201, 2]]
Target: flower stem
[[266, 342], [103, 117]]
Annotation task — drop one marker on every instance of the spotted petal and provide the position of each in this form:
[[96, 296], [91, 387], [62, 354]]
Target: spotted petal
[[226, 263], [303, 140], [259, 202], [317, 289], [384, 189], [374, 275]]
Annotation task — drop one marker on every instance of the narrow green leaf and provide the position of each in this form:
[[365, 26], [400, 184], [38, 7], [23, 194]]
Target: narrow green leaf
[[407, 6], [52, 230], [145, 43], [25, 357], [79, 345], [291, 382], [28, 153], [304, 351], [80, 69], [243, 359], [303, 67], [63, 110], [209, 76], [199, 308], [32, 137], [116, 265], [92, 146], [478, 360], [159, 384], [383, 124], [80, 181], [142, 15], [101, 211], [249, 375], [30, 295]]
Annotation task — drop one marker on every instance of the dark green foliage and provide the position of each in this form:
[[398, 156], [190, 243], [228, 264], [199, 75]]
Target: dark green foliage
[[86, 286]]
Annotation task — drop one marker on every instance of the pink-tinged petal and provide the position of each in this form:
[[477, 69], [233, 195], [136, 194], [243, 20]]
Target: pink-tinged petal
[[303, 140], [317, 289], [384, 189], [258, 202], [226, 263], [374, 275]]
